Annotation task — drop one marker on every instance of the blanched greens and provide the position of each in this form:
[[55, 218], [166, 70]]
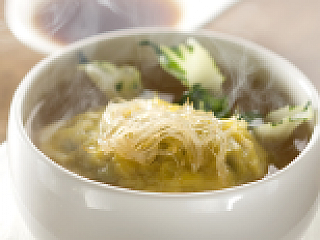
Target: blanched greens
[[114, 81], [195, 68], [204, 100], [190, 63], [282, 122]]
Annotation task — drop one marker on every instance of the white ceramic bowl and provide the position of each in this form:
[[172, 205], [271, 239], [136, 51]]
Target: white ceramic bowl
[[58, 204]]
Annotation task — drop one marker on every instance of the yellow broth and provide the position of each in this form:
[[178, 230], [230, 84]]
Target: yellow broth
[[75, 145]]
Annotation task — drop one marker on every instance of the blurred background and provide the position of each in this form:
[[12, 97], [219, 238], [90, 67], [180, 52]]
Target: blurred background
[[290, 28]]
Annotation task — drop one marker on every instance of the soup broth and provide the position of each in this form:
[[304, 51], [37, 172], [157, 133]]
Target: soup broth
[[68, 128]]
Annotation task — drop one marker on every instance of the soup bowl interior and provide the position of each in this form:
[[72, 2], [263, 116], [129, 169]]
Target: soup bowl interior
[[59, 204]]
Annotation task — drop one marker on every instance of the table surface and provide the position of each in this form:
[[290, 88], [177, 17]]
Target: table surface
[[289, 27]]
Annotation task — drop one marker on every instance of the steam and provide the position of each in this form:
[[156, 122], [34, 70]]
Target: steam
[[59, 14], [69, 20], [110, 4], [75, 19], [252, 88]]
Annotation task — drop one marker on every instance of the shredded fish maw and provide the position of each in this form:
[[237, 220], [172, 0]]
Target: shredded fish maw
[[158, 146]]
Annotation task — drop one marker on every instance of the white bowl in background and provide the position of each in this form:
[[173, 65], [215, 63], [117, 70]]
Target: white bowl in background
[[82, 15], [58, 204]]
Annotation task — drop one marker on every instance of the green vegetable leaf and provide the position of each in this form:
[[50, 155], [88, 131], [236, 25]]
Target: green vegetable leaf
[[282, 123], [190, 63], [250, 116], [114, 81], [169, 59], [201, 99]]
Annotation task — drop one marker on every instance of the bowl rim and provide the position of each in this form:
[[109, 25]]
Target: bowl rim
[[20, 94]]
